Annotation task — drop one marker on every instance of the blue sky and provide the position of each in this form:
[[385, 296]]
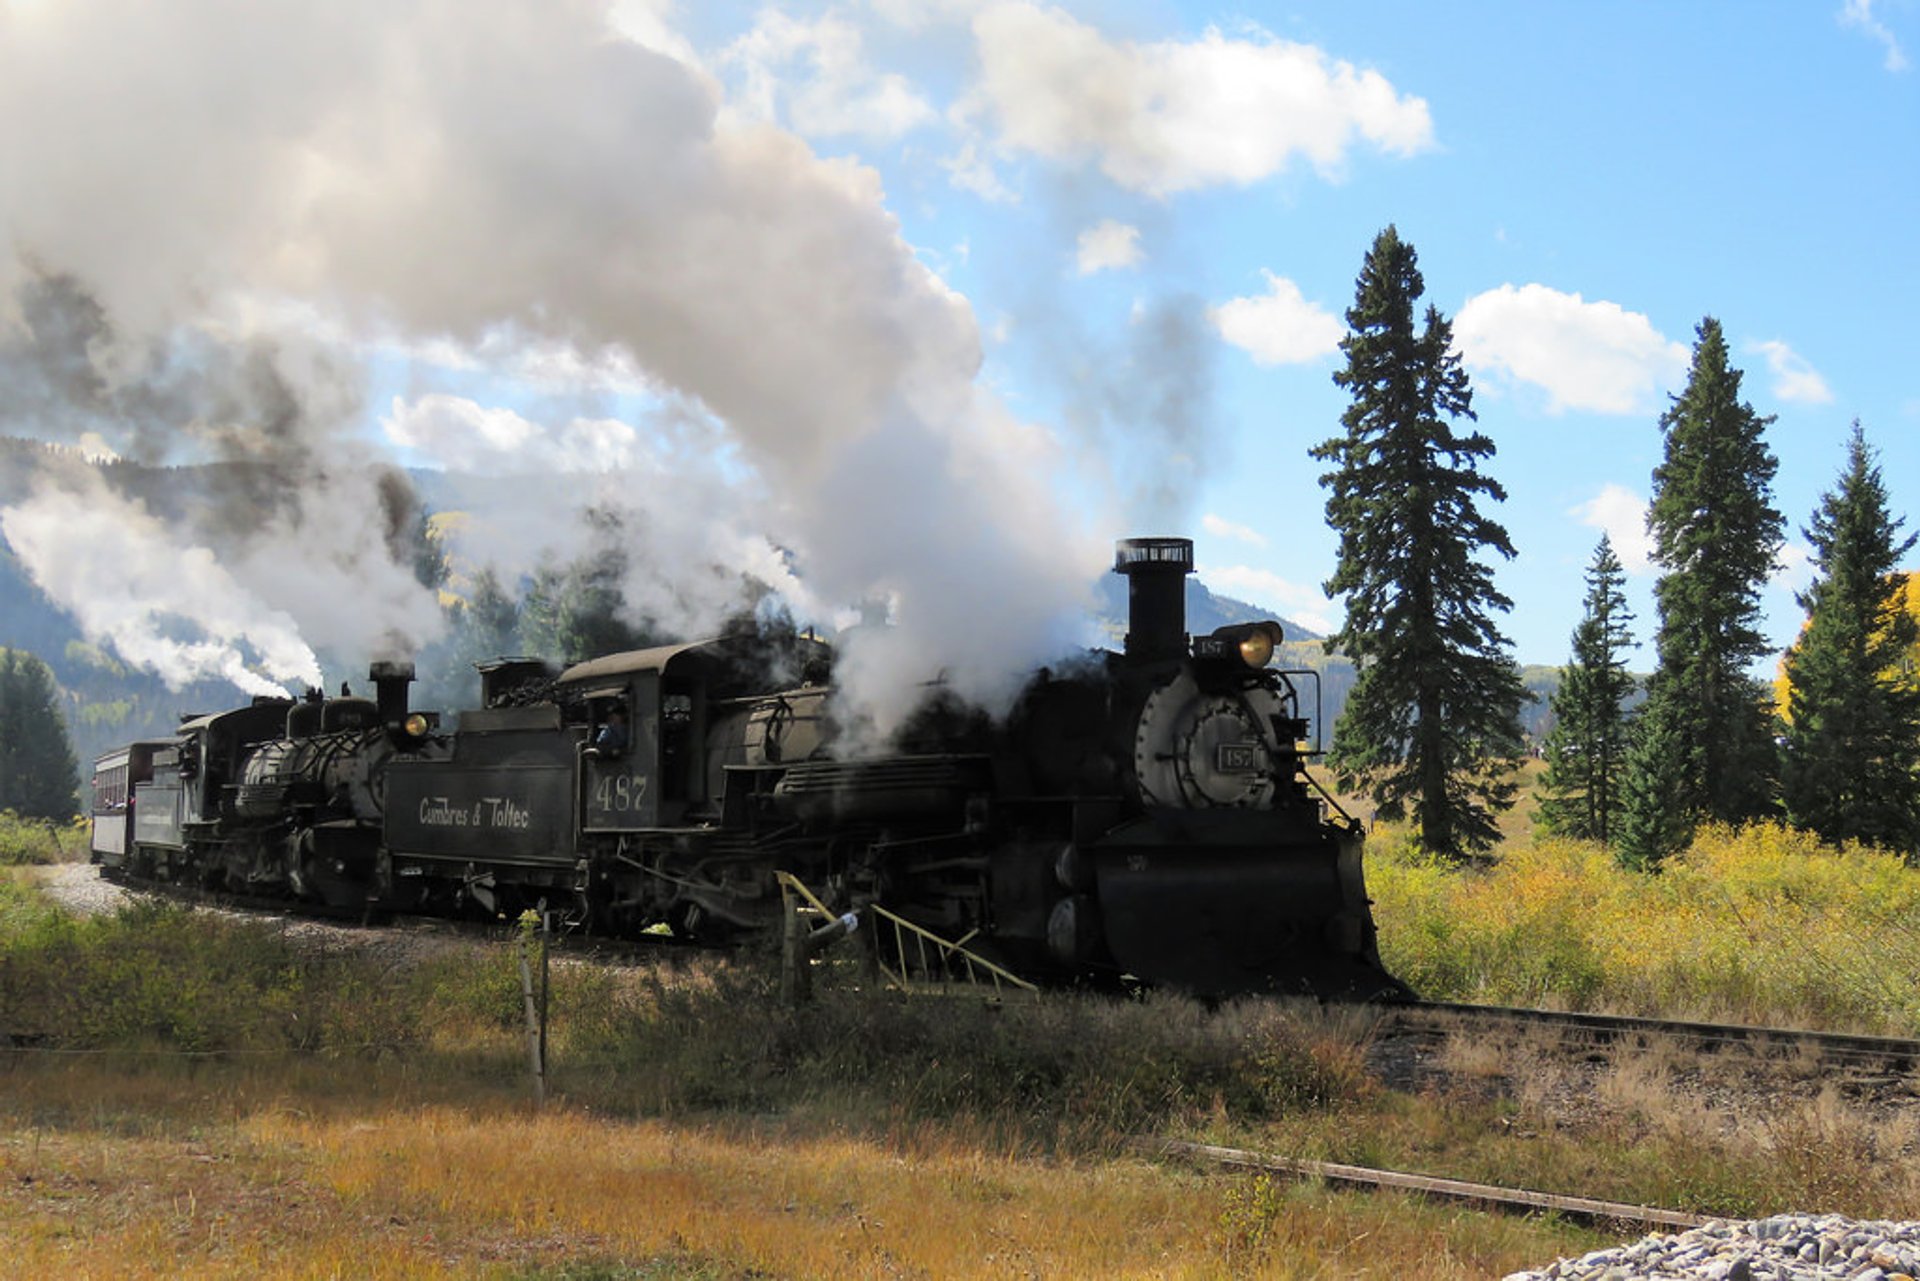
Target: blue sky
[[917, 301], [1592, 180]]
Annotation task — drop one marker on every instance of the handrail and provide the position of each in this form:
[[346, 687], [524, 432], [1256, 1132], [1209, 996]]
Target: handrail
[[944, 951], [1329, 798]]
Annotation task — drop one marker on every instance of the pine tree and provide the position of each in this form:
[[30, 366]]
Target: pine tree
[[489, 623], [1587, 747], [37, 768], [1432, 726], [1850, 764], [1651, 825], [483, 626], [1715, 534]]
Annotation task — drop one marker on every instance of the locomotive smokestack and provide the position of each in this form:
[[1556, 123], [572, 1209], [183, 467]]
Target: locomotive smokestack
[[390, 681], [1156, 570]]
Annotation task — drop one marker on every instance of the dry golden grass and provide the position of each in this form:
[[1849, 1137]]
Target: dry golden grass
[[236, 1175], [369, 1122], [1724, 1135]]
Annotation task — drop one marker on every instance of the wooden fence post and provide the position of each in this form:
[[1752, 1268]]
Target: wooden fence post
[[536, 1022], [796, 967]]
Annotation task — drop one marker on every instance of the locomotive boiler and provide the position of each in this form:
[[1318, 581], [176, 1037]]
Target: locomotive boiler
[[1145, 815]]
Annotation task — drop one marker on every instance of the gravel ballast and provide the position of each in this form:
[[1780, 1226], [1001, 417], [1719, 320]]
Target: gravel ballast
[[1804, 1247]]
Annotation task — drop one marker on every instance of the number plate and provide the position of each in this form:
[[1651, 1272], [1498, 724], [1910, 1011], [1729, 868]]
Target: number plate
[[1237, 758]]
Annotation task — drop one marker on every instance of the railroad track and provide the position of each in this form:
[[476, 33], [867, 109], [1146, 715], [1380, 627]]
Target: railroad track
[[1486, 1195], [1885, 1053], [620, 950]]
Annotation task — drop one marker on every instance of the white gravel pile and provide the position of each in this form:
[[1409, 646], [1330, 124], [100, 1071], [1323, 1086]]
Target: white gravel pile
[[81, 889], [1804, 1247]]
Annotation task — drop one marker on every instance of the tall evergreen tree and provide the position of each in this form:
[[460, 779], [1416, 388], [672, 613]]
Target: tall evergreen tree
[[1850, 764], [489, 623], [1651, 823], [1715, 535], [484, 625], [1432, 726], [1587, 747], [578, 610], [37, 769]]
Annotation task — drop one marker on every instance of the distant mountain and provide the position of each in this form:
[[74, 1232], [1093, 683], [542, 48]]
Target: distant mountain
[[1206, 611]]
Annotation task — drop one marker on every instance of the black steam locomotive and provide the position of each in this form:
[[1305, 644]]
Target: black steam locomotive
[[1144, 814]]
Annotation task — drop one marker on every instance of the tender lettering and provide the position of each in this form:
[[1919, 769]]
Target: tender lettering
[[489, 811], [501, 811], [437, 811]]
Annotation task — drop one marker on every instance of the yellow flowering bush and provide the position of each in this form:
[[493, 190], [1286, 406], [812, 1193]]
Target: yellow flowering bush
[[1754, 924]]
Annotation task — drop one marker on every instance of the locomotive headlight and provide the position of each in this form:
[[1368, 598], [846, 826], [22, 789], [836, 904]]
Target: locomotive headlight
[[416, 725], [1250, 643]]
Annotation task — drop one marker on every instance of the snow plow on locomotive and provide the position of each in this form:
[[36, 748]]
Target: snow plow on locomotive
[[1144, 815]]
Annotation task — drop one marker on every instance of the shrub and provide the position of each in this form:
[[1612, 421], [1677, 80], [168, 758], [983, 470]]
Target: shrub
[[38, 840], [1080, 1069], [163, 976], [1759, 924]]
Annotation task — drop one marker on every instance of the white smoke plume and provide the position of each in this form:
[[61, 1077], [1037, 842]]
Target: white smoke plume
[[140, 579], [508, 174], [293, 524]]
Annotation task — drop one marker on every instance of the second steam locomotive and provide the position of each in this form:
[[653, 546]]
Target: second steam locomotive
[[1144, 815]]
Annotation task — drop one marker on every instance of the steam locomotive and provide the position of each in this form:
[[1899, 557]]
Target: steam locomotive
[[1141, 815]]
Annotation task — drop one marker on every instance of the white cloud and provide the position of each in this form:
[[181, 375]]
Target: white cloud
[[1622, 515], [1304, 605], [1794, 380], [1594, 356], [818, 70], [649, 24], [1279, 328], [1223, 528], [1173, 116], [971, 169], [1859, 13], [915, 14], [505, 351], [465, 435], [1108, 244], [1793, 567]]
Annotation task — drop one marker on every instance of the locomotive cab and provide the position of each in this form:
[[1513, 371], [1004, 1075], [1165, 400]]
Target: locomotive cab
[[680, 702], [646, 709]]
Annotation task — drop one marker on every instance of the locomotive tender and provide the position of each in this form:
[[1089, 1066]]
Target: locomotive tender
[[1145, 814]]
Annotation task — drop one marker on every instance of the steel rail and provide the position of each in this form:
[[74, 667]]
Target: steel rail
[[1516, 1200], [1894, 1053]]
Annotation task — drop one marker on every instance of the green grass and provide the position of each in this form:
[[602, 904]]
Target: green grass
[[25, 841]]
